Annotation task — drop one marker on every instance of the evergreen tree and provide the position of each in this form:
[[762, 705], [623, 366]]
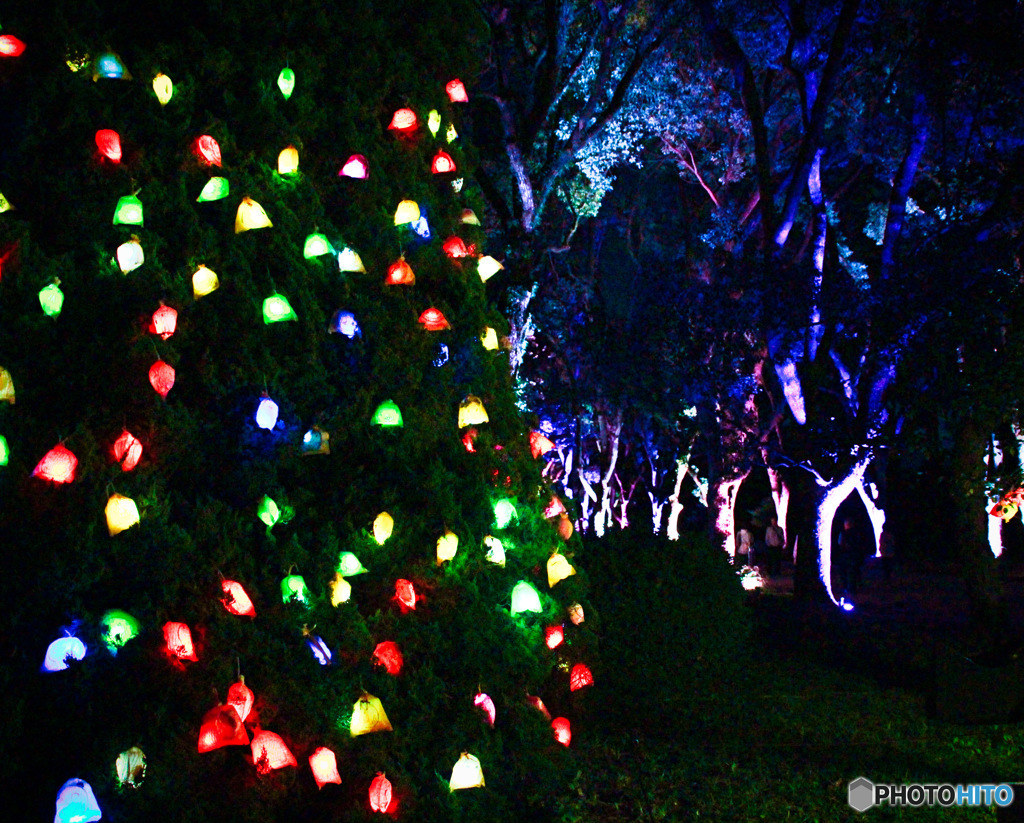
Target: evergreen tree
[[224, 493]]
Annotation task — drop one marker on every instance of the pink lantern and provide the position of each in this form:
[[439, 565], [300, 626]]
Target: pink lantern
[[269, 752], [164, 322], [388, 655], [484, 702], [579, 677], [161, 377], [380, 793], [179, 641], [454, 247], [108, 142], [127, 450], [324, 764], [442, 163], [208, 150], [562, 730], [236, 600], [456, 91], [553, 636], [221, 726], [241, 698], [405, 594], [404, 120], [58, 465], [355, 167]]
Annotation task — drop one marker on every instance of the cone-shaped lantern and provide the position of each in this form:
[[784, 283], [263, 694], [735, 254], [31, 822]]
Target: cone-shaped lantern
[[368, 716], [456, 91], [288, 161], [403, 120], [277, 309], [128, 211], [164, 321], [355, 167], [433, 320], [204, 281], [216, 188], [121, 513], [178, 638], [58, 465], [525, 598], [383, 526], [127, 450], [324, 765], [108, 142], [221, 726], [241, 698], [400, 273], [250, 216], [269, 752], [467, 773], [388, 415], [130, 255]]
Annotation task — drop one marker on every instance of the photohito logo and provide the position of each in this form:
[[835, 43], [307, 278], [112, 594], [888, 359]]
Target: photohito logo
[[863, 794]]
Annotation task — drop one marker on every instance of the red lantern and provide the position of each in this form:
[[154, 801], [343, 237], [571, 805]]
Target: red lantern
[[405, 594], [164, 322], [562, 730], [456, 91], [236, 600], [179, 641], [553, 636], [108, 142], [161, 377], [442, 163], [454, 247], [469, 440], [388, 655], [355, 167], [241, 698], [554, 508], [380, 793], [58, 465], [10, 46], [403, 120], [207, 150], [538, 704], [221, 726], [324, 764], [433, 320], [270, 752], [579, 677], [484, 702], [400, 274], [127, 450], [539, 445]]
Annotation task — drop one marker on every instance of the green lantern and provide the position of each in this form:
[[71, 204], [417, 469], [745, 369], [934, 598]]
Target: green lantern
[[277, 309], [5, 452], [525, 598], [293, 588], [118, 628], [349, 565], [286, 82], [316, 245], [216, 188], [128, 211], [504, 513], [388, 414], [268, 512], [51, 298]]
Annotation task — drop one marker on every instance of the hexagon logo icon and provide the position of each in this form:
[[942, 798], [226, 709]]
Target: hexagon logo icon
[[862, 794]]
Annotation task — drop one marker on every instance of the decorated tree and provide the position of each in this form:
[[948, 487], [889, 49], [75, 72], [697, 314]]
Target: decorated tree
[[270, 513]]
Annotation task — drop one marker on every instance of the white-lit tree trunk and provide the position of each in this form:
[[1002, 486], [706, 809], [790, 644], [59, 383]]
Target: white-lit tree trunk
[[780, 496], [875, 514], [723, 503], [833, 493], [603, 518]]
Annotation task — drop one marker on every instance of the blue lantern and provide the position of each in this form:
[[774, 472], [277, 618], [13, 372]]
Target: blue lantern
[[76, 803], [440, 354], [266, 414], [344, 322], [60, 651]]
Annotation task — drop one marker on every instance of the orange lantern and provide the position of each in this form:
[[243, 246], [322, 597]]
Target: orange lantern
[[456, 91], [565, 527], [127, 451], [433, 320], [442, 163], [355, 167], [207, 150], [269, 752], [380, 793], [403, 120], [455, 247], [553, 636], [388, 655], [164, 322], [562, 730], [324, 764], [241, 698], [161, 377], [236, 600], [579, 677], [405, 594], [221, 726], [58, 465], [179, 641], [540, 445], [400, 274], [108, 142]]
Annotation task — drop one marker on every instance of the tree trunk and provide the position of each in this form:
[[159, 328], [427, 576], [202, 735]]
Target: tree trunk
[[722, 502]]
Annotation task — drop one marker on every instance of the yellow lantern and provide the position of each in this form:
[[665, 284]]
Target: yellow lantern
[[469, 218], [447, 546], [349, 260], [6, 386], [368, 716], [204, 281], [472, 412], [341, 590], [433, 122], [489, 338], [131, 767], [487, 267], [383, 525], [558, 569], [408, 211], [288, 161], [122, 513], [163, 88], [5, 204], [250, 216], [467, 773]]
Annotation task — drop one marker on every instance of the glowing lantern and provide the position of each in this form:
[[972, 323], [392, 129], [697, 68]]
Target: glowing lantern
[[558, 569], [277, 309], [161, 377], [6, 386], [484, 702], [454, 247], [324, 765], [442, 163], [76, 803], [250, 215], [380, 793], [467, 773], [451, 134], [504, 513], [293, 588], [447, 546], [58, 465], [164, 321], [216, 188], [51, 299], [562, 729], [5, 204], [241, 698], [388, 655], [118, 628], [10, 46], [440, 354], [383, 526], [121, 513], [487, 267], [60, 651], [179, 641], [207, 149], [349, 565], [128, 211], [408, 211], [204, 281], [266, 414], [163, 88], [576, 614], [457, 184], [579, 677], [221, 727], [316, 244], [400, 273], [344, 322], [355, 167], [472, 412], [269, 752], [565, 527], [538, 704], [349, 260], [368, 716], [525, 598], [316, 441], [553, 636], [405, 594], [469, 440], [469, 218], [109, 65], [341, 590], [433, 320], [489, 339], [288, 161], [388, 414], [108, 142], [433, 122], [318, 647], [268, 511], [540, 445], [130, 255], [236, 600], [403, 120], [495, 550], [421, 227], [456, 91], [131, 767], [286, 82], [5, 451]]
